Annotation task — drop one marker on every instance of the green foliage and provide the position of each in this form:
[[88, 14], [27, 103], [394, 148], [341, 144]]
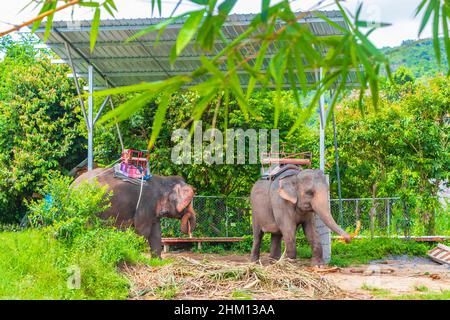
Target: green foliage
[[34, 265], [418, 56], [443, 295], [39, 122], [68, 237], [361, 251], [69, 211], [401, 150]]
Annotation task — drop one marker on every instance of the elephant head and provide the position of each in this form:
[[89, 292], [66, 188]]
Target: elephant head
[[177, 203], [308, 191]]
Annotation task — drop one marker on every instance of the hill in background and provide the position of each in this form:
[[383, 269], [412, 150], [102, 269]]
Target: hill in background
[[417, 55]]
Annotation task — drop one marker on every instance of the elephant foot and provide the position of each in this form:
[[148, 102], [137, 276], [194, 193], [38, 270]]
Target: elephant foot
[[275, 257], [317, 262], [254, 258]]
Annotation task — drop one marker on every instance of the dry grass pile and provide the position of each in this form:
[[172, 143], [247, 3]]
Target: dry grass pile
[[187, 278]]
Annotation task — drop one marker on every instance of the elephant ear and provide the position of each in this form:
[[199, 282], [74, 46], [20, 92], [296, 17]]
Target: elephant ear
[[287, 191]]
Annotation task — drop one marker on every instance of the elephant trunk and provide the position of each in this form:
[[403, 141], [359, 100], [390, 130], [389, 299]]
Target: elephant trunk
[[188, 221], [321, 207]]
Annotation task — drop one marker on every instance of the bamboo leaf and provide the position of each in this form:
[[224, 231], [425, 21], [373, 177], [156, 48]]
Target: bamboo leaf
[[125, 110], [154, 27], [264, 10], [445, 16], [427, 13], [154, 87], [188, 30], [94, 28], [160, 116], [46, 7], [436, 41]]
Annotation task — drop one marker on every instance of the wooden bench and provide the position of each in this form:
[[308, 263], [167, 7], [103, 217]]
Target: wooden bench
[[167, 242]]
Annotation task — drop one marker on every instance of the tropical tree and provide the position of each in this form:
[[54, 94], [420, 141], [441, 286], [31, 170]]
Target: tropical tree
[[400, 150], [39, 124]]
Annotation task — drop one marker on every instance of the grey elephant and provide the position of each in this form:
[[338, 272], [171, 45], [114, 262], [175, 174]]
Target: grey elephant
[[162, 197], [280, 204]]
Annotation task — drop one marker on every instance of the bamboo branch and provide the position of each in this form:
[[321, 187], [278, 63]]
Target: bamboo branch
[[39, 17]]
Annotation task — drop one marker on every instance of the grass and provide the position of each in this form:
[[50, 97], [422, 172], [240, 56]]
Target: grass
[[34, 265], [421, 288], [361, 251], [241, 295], [443, 295], [374, 290]]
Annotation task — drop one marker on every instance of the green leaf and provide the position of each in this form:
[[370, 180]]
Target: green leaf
[[264, 10], [159, 26], [160, 116], [107, 7], [46, 7], [258, 64], [48, 26], [200, 2], [154, 87], [436, 41], [188, 30], [89, 4], [94, 28], [427, 13], [445, 16], [125, 110]]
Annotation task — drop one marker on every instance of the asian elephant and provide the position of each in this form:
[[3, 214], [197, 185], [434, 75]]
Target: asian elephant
[[168, 197], [280, 204]]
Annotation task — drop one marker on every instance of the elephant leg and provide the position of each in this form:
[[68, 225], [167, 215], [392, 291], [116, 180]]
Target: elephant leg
[[154, 240], [289, 232], [257, 237], [311, 234], [275, 246]]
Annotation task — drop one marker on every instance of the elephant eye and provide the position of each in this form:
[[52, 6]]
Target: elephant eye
[[309, 192]]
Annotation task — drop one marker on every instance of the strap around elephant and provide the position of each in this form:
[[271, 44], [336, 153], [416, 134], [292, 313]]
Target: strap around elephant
[[286, 171]]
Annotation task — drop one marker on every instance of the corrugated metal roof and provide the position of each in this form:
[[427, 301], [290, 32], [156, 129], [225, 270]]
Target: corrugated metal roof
[[121, 63]]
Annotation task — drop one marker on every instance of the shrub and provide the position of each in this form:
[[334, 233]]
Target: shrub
[[68, 211]]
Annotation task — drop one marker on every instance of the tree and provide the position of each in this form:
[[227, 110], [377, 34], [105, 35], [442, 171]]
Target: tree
[[401, 150], [39, 124]]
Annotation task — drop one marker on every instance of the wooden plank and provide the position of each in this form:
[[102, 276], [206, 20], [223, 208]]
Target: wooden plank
[[440, 254], [198, 240]]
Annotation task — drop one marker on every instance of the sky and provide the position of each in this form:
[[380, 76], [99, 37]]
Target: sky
[[398, 12]]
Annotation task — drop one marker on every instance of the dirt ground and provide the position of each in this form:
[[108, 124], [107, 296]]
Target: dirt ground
[[382, 279]]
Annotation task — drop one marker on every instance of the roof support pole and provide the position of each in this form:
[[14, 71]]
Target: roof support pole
[[99, 113], [117, 127], [90, 118], [338, 174], [322, 229]]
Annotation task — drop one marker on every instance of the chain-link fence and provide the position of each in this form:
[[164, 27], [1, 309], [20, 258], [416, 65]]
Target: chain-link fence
[[216, 217], [231, 217]]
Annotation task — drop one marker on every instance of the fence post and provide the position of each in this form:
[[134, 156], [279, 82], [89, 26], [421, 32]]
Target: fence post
[[388, 208], [226, 219]]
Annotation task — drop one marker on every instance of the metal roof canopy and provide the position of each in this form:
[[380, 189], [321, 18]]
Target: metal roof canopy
[[119, 63]]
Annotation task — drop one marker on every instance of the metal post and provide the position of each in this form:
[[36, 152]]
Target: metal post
[[338, 175], [117, 128], [389, 217], [322, 229], [90, 118]]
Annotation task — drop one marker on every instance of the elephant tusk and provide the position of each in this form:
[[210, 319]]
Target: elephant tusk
[[353, 234], [189, 229]]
